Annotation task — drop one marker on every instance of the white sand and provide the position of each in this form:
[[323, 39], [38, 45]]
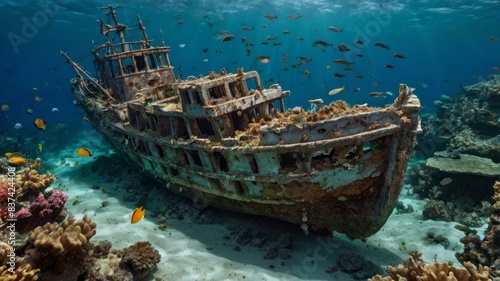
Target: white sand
[[193, 251]]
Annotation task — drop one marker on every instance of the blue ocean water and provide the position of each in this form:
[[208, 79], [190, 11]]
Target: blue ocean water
[[446, 44]]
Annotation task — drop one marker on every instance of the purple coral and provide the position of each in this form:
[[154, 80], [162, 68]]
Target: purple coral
[[42, 211]]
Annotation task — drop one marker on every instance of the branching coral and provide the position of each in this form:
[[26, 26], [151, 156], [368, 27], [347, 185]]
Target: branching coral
[[42, 211], [415, 269], [21, 273]]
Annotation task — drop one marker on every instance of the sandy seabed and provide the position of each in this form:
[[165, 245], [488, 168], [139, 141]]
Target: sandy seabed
[[191, 250]]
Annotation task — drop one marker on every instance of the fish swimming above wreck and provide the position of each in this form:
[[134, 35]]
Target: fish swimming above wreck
[[226, 140]]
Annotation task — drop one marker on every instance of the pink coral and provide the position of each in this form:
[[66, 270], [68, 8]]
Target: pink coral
[[42, 211], [4, 196]]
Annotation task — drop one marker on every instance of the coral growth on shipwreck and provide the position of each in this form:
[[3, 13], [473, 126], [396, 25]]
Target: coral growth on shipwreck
[[52, 245], [456, 181]]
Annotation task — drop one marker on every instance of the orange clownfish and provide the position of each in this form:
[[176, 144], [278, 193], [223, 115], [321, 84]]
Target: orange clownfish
[[138, 214], [82, 151], [40, 124]]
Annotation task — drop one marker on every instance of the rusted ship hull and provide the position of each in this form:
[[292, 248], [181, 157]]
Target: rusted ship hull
[[348, 182], [225, 140]]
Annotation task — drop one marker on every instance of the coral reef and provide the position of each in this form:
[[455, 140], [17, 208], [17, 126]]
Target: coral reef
[[30, 179], [42, 211], [451, 195], [436, 183], [21, 273], [140, 259], [446, 211], [67, 236], [439, 210], [132, 263], [4, 197], [58, 249], [485, 251], [465, 164], [465, 133], [415, 269], [437, 239], [4, 251], [62, 251], [28, 184], [469, 122]]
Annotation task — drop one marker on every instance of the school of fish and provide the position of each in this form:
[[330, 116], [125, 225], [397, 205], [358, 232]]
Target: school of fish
[[342, 58]]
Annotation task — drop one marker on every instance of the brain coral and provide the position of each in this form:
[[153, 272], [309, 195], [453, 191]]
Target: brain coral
[[69, 235]]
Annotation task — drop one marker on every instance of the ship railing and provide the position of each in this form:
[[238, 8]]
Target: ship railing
[[80, 72], [109, 49]]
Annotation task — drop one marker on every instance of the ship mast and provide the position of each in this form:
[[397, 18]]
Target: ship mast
[[143, 31], [119, 28]]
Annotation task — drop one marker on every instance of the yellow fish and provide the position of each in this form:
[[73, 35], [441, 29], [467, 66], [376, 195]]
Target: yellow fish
[[40, 147], [40, 124], [30, 111], [17, 161], [38, 99], [5, 107], [82, 151], [85, 118], [336, 91], [12, 154], [138, 214]]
